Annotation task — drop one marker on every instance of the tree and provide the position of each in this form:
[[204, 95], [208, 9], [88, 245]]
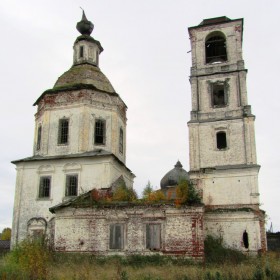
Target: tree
[[147, 190], [6, 234], [123, 193]]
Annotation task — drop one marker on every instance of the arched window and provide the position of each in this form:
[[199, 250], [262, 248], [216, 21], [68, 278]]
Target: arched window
[[221, 138], [215, 48]]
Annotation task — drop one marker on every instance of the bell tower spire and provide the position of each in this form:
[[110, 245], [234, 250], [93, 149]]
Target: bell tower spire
[[86, 48]]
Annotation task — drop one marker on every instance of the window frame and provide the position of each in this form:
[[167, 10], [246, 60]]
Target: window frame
[[68, 188], [43, 188], [63, 133], [121, 146], [81, 51], [213, 44], [215, 90], [100, 132], [150, 231], [220, 146], [39, 138], [115, 244]]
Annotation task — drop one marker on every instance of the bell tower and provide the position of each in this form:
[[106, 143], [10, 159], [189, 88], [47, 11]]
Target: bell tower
[[223, 161]]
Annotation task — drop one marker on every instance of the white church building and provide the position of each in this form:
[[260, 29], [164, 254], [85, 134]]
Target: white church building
[[80, 145]]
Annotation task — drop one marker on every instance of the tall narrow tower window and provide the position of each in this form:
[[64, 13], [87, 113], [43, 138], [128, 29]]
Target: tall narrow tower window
[[218, 95], [81, 53], [121, 141], [71, 185], [215, 49], [45, 187], [100, 132], [39, 136], [63, 131], [221, 140]]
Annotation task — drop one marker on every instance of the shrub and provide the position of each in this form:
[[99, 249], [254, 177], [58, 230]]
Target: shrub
[[215, 252], [31, 258], [123, 193]]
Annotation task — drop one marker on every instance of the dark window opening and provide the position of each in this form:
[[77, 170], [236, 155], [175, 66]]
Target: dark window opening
[[39, 136], [215, 49], [97, 58], [153, 236], [99, 137], [116, 236], [63, 131], [45, 187], [245, 239], [71, 185], [121, 141], [218, 95], [81, 51], [221, 140]]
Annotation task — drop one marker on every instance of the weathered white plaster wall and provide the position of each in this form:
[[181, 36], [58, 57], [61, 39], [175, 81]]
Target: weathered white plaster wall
[[229, 226], [181, 230], [93, 172]]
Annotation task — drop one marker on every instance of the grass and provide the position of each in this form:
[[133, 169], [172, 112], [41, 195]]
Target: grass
[[33, 260]]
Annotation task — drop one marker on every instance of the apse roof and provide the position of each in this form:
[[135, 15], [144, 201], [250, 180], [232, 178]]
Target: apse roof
[[173, 177]]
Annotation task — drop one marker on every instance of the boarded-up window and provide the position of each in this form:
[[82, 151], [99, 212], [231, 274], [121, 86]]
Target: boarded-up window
[[153, 236], [116, 236]]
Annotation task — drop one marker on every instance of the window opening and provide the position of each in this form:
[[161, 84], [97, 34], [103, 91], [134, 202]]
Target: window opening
[[97, 58], [81, 51], [221, 140], [215, 49], [39, 136], [218, 95], [45, 187], [99, 137], [116, 236], [121, 141], [63, 131], [153, 236], [245, 239], [71, 185]]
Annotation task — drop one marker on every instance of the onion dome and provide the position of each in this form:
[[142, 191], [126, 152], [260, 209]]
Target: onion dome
[[85, 26], [85, 71], [173, 177]]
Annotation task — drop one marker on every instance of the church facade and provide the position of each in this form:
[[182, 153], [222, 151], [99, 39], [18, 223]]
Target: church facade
[[80, 145]]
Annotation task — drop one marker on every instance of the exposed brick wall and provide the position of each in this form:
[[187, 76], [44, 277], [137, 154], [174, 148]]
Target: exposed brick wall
[[88, 230]]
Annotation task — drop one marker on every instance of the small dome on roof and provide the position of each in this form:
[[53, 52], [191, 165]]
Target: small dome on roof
[[173, 177], [85, 74]]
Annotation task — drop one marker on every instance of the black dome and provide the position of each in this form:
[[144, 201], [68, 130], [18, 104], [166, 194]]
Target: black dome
[[173, 177]]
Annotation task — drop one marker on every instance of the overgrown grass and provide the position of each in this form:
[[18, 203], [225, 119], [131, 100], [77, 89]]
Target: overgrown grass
[[33, 260]]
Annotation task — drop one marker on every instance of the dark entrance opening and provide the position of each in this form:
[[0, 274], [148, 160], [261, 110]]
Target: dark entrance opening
[[245, 239]]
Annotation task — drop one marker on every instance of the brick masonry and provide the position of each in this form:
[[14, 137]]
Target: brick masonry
[[88, 230]]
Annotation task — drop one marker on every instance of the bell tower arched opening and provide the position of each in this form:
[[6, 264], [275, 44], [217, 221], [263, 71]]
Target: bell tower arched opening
[[215, 48]]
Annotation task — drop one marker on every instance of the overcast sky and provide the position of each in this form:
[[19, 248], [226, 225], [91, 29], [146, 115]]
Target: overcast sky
[[146, 58]]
